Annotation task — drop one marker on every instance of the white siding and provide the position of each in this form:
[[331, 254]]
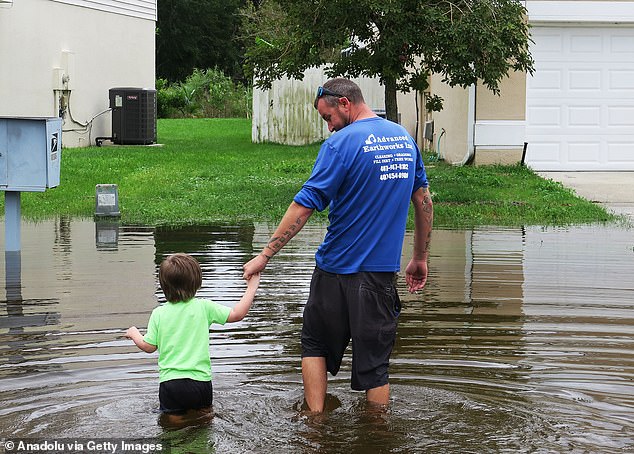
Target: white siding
[[285, 113], [569, 11], [144, 9], [51, 48], [499, 133]]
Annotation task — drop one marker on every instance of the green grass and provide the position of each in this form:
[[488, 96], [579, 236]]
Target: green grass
[[208, 171], [505, 195]]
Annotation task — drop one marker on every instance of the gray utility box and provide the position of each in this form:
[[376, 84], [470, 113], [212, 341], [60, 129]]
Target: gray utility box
[[30, 153]]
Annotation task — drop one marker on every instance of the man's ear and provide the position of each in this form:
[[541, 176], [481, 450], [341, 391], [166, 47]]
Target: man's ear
[[345, 102]]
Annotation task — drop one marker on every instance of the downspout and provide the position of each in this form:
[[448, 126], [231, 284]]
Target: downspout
[[416, 94], [471, 119]]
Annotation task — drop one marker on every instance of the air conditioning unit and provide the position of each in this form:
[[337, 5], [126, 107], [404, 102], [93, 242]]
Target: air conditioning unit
[[133, 116]]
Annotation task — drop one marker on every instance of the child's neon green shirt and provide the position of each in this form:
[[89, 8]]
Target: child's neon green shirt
[[181, 333]]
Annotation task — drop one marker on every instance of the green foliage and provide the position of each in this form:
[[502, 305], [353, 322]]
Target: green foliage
[[204, 93], [197, 34], [208, 170], [169, 99], [402, 42]]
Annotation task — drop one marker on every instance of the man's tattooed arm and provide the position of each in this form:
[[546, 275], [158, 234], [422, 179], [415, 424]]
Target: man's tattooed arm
[[295, 218], [424, 221]]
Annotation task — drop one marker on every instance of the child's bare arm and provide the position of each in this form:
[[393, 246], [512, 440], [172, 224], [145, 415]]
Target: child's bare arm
[[242, 308], [134, 334]]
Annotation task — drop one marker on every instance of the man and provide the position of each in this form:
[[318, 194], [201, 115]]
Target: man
[[366, 173]]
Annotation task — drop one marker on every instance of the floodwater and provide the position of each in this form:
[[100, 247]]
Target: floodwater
[[523, 341]]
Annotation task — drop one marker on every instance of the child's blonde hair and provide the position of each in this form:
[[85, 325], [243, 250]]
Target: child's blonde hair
[[180, 277]]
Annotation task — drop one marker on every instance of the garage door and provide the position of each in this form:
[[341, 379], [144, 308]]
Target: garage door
[[580, 101]]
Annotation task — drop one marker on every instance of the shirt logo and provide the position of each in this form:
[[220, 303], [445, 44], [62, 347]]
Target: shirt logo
[[385, 143]]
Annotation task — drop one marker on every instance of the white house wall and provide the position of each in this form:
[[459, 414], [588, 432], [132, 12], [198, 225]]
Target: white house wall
[[285, 113], [84, 47], [145, 9], [570, 11]]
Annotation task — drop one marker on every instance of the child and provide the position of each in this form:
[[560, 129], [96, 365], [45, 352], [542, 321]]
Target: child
[[179, 329]]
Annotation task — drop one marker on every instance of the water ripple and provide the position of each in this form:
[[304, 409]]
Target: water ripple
[[522, 342]]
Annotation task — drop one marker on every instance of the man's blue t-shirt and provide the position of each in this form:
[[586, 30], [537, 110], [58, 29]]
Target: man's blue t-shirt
[[367, 173]]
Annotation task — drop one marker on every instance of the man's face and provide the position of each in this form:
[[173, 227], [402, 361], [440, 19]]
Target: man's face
[[337, 117]]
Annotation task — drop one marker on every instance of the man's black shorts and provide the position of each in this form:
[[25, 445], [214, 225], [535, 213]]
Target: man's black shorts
[[182, 394], [363, 307]]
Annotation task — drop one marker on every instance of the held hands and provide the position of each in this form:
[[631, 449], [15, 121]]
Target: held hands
[[254, 266], [253, 282], [416, 275]]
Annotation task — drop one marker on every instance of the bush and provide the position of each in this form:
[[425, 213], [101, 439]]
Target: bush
[[170, 100], [204, 94]]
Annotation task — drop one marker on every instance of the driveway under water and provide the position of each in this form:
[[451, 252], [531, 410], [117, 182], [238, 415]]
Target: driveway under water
[[523, 341]]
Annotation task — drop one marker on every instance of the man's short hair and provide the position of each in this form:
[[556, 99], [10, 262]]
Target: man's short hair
[[180, 277], [345, 88]]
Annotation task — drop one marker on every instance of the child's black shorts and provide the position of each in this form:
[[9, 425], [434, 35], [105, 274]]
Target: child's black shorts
[[182, 394], [363, 306]]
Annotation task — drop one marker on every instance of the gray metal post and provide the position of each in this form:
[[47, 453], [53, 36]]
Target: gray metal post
[[13, 278], [12, 221]]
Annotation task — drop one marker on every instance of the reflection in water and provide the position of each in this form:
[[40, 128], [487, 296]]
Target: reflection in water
[[521, 342]]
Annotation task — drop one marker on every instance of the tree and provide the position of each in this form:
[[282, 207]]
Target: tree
[[402, 42], [197, 34]]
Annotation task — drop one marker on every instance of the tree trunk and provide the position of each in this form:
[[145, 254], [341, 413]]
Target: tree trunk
[[391, 107]]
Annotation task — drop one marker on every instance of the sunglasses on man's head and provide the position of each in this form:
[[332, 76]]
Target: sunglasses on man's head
[[321, 91]]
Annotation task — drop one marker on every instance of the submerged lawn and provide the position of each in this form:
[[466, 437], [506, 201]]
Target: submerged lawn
[[207, 171]]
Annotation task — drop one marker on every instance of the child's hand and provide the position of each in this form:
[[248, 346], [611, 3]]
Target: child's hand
[[132, 332], [253, 281]]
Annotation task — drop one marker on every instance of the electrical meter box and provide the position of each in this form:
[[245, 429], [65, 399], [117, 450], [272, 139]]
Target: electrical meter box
[[30, 153]]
